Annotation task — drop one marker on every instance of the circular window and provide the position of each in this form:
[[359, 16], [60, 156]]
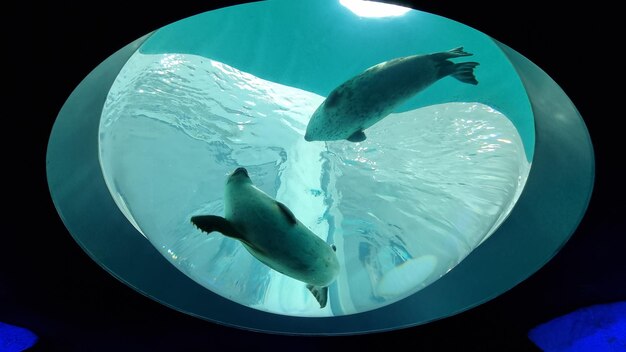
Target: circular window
[[317, 159]]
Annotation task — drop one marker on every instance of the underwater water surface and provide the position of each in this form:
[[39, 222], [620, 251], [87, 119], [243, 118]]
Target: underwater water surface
[[403, 207]]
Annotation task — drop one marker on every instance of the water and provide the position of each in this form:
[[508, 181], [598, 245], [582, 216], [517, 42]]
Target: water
[[403, 207]]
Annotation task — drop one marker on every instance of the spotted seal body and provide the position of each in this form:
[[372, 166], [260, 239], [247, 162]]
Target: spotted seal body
[[369, 97], [272, 234]]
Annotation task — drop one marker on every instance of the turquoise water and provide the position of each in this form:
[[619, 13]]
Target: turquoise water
[[237, 86]]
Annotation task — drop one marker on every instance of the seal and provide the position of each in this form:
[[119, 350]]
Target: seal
[[370, 96], [272, 234]]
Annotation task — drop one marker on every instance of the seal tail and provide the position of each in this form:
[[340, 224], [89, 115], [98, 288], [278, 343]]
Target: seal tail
[[320, 294], [464, 72]]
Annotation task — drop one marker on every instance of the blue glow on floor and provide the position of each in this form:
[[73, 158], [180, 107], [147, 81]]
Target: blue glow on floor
[[596, 328], [14, 338]]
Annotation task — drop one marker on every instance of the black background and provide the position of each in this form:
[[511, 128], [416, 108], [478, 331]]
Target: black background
[[49, 285]]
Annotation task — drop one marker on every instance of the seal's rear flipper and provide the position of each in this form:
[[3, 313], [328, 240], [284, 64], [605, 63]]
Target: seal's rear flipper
[[464, 72], [450, 54], [210, 223], [357, 136], [320, 293]]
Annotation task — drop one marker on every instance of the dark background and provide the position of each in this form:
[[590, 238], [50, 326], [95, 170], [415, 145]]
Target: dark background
[[50, 286]]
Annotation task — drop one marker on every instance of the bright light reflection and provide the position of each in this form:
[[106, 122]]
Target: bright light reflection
[[373, 9]]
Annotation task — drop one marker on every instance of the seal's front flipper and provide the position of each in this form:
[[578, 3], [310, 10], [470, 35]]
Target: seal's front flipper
[[357, 136], [210, 223], [320, 293], [288, 214]]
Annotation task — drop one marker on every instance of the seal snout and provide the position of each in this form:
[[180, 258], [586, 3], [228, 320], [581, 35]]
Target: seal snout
[[240, 171], [310, 135]]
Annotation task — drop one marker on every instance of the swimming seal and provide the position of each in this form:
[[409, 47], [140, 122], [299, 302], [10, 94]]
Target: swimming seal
[[369, 97], [272, 234]]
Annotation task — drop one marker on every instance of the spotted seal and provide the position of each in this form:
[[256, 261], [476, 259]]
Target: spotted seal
[[272, 234], [370, 96]]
